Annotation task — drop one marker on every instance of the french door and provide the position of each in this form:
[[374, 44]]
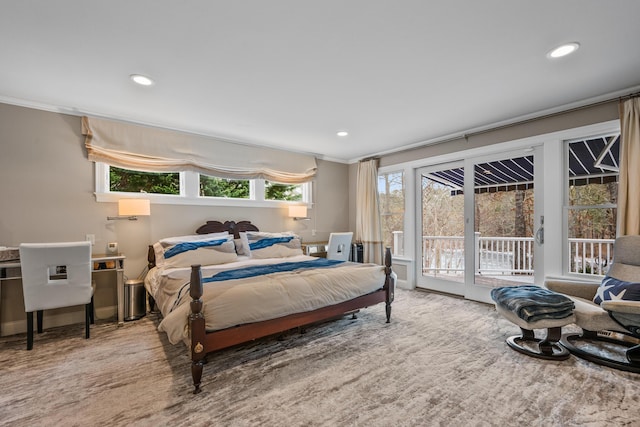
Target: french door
[[440, 220], [477, 220]]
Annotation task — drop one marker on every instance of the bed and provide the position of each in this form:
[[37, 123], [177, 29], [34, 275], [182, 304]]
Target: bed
[[257, 289]]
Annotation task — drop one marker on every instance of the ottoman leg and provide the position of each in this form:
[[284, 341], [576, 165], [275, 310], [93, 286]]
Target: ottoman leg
[[547, 345], [547, 348]]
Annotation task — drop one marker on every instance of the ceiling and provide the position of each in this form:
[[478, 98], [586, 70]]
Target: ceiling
[[290, 74]]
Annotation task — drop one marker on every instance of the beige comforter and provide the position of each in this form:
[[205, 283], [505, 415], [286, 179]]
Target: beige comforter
[[234, 302]]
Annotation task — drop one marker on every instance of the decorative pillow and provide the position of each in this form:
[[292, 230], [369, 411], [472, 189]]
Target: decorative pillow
[[262, 245], [208, 252], [162, 245], [612, 289]]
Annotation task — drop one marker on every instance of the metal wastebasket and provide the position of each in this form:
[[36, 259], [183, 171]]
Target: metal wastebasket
[[135, 304]]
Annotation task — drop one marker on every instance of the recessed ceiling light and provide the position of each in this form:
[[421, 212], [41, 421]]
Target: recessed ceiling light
[[563, 50], [342, 133], [141, 80]]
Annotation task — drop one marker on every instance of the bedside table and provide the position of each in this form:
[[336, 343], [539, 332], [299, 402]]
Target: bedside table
[[318, 249]]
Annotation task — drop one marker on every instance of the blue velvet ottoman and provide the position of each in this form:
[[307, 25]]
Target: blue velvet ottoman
[[532, 307]]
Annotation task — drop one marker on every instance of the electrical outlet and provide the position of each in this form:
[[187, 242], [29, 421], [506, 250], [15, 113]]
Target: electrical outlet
[[90, 238], [313, 232]]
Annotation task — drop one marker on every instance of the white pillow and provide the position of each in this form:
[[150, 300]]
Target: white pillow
[[239, 246], [219, 253], [170, 241], [163, 244], [260, 244]]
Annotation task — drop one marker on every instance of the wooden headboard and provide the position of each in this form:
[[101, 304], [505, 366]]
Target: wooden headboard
[[234, 228]]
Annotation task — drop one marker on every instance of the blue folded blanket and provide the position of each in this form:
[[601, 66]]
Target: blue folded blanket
[[532, 303]]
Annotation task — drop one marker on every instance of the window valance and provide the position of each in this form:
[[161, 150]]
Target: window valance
[[150, 149]]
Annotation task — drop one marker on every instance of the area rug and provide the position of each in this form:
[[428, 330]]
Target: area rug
[[442, 361]]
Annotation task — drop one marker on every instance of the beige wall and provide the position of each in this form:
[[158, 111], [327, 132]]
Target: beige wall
[[568, 120], [46, 195]]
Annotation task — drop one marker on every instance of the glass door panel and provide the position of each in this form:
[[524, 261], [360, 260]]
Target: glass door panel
[[504, 222], [441, 228]]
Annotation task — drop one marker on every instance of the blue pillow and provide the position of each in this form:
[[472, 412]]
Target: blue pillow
[[612, 289]]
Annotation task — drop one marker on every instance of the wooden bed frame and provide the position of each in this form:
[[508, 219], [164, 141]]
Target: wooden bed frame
[[203, 342]]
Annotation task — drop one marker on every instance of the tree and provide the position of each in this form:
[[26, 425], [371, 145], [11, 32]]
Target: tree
[[288, 192], [391, 198], [143, 182], [211, 186]]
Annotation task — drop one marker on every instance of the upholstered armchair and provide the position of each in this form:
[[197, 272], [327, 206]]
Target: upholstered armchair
[[610, 325]]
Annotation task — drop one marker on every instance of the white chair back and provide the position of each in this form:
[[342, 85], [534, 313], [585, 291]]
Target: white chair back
[[43, 288], [339, 246]]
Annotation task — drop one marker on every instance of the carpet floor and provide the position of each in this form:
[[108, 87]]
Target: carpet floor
[[442, 361]]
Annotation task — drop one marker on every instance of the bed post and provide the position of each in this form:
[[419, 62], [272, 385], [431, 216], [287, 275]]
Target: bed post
[[389, 283], [196, 327]]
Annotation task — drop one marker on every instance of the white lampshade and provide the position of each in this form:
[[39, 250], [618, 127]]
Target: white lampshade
[[297, 211], [134, 207]]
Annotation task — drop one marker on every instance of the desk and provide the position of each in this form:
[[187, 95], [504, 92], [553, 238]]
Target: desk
[[9, 270], [315, 248]]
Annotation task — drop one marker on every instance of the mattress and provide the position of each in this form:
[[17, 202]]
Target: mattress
[[238, 301]]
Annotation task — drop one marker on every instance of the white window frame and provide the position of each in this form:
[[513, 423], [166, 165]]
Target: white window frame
[[404, 195], [552, 162], [190, 193], [566, 207]]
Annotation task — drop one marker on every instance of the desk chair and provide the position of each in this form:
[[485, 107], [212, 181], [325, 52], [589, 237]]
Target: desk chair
[[55, 275], [339, 246]]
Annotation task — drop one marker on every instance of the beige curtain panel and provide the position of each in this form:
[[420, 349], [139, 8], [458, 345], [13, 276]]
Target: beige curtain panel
[[150, 149], [629, 185], [368, 224]]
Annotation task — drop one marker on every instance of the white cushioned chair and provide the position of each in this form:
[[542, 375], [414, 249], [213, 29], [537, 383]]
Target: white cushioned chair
[[55, 275], [339, 246], [610, 330]]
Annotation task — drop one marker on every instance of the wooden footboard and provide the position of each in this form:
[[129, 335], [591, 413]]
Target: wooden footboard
[[203, 342]]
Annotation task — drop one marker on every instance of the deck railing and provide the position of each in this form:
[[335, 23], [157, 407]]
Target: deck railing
[[590, 256], [494, 255], [506, 255]]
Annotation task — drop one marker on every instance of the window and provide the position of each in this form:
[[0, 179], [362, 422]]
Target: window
[[211, 186], [391, 198], [127, 181], [592, 194], [194, 188], [288, 192]]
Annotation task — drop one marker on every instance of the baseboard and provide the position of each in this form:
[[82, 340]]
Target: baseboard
[[60, 319], [404, 284]]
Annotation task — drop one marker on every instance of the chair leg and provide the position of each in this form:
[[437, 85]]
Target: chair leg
[[30, 330], [88, 309], [588, 345], [39, 317], [92, 312]]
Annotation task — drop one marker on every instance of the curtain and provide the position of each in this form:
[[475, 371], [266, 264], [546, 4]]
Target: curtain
[[368, 224], [150, 149], [628, 220]]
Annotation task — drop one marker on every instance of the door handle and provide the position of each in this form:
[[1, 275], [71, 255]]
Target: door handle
[[539, 237]]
